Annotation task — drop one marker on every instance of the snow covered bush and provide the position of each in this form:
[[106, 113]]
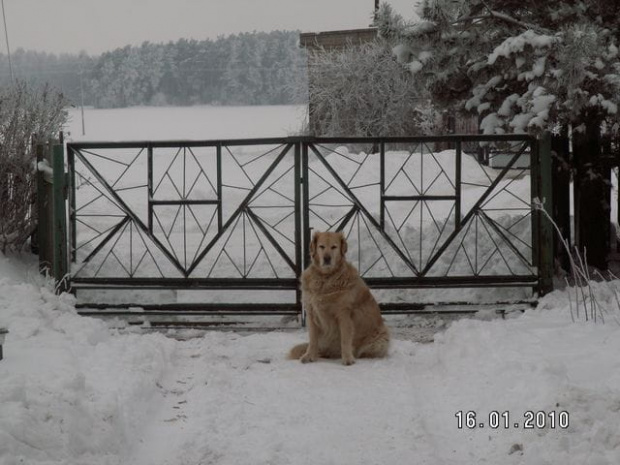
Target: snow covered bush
[[26, 115], [365, 91]]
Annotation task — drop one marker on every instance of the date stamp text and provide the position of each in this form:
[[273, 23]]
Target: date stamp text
[[529, 419]]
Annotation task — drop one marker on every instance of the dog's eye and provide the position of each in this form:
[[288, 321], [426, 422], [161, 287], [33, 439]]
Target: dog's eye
[[334, 247], [321, 247]]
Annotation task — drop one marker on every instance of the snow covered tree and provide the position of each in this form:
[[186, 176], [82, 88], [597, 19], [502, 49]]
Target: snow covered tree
[[526, 66]]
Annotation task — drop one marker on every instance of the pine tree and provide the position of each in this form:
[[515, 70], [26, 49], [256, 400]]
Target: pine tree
[[527, 66]]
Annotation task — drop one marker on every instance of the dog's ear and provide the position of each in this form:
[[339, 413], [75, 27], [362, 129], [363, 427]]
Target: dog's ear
[[315, 238], [343, 244]]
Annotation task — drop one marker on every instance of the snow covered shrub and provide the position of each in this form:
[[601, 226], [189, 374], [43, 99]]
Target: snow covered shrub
[[364, 91], [26, 115]]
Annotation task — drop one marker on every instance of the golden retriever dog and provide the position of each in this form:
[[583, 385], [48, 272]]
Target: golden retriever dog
[[343, 317]]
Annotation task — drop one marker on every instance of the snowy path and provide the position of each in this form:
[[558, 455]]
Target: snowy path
[[231, 399]]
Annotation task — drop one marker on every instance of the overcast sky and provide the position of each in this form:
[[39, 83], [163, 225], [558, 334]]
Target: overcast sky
[[99, 25]]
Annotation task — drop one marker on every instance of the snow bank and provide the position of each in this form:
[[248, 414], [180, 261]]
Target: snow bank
[[71, 392]]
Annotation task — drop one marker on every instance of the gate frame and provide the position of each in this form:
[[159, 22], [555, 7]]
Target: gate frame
[[542, 234], [541, 189]]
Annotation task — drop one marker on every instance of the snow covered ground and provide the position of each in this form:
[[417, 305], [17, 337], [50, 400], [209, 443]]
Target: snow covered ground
[[75, 392], [78, 391]]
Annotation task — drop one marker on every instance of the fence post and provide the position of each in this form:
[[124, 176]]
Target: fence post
[[545, 228], [59, 222], [43, 209]]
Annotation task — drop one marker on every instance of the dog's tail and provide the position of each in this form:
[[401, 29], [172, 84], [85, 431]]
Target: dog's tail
[[297, 351]]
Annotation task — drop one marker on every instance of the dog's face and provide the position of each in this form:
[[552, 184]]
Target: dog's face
[[327, 250]]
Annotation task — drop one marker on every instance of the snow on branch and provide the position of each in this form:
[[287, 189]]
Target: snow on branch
[[517, 44]]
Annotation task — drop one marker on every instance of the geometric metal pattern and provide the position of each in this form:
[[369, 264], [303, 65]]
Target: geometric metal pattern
[[416, 215], [239, 214], [193, 211]]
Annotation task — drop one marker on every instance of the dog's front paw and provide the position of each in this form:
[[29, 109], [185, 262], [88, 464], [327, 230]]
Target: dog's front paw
[[308, 358], [346, 361]]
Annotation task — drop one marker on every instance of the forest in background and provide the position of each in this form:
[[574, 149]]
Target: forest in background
[[255, 68]]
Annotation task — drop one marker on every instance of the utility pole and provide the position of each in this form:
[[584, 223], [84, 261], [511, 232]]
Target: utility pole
[[81, 99], [8, 48]]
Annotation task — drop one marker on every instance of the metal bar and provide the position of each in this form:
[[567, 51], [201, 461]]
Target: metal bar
[[304, 139], [201, 309], [306, 216], [184, 189], [420, 282], [149, 168], [218, 161], [458, 185], [147, 310], [299, 181], [440, 282], [186, 283], [389, 198], [181, 143], [184, 202], [72, 207], [60, 266], [382, 184]]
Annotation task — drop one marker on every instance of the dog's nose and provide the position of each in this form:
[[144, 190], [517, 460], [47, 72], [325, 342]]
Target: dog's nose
[[327, 259]]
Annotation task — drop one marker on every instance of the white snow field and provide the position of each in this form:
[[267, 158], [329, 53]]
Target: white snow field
[[201, 122], [80, 391]]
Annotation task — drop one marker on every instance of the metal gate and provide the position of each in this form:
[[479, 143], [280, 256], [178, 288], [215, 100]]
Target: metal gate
[[224, 226]]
